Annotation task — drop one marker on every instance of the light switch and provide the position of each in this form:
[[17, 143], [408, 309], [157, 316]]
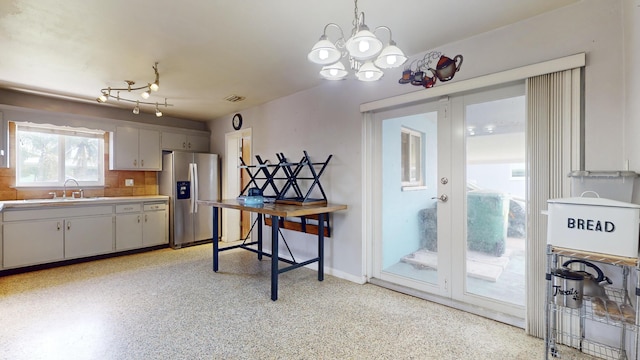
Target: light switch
[[128, 182]]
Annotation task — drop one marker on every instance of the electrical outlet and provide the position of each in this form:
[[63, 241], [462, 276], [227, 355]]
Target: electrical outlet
[[128, 182]]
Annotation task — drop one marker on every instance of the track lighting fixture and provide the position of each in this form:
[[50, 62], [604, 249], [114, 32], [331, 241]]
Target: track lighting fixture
[[106, 93]]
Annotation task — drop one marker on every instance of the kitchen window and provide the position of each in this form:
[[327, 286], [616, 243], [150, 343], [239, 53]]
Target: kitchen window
[[411, 162], [48, 155]]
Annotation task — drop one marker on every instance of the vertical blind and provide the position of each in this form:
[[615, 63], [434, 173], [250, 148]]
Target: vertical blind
[[554, 149]]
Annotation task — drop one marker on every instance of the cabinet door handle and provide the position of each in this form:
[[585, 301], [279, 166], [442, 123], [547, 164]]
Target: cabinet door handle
[[135, 162], [59, 226], [145, 217], [138, 219], [189, 145], [68, 225], [142, 163], [184, 145]]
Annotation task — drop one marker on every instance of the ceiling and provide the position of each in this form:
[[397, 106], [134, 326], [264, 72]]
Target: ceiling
[[209, 50]]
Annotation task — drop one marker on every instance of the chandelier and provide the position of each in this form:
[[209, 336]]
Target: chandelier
[[106, 93], [364, 50]]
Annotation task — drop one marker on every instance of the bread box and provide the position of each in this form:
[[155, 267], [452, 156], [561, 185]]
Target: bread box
[[594, 224]]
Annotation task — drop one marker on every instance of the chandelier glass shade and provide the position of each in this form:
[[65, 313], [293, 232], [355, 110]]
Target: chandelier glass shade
[[334, 71], [107, 93], [363, 49]]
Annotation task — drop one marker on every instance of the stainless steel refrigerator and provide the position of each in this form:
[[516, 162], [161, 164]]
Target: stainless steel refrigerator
[[187, 177]]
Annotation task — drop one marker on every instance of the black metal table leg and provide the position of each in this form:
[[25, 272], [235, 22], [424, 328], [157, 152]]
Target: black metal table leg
[[274, 257], [260, 217], [321, 246], [214, 238]]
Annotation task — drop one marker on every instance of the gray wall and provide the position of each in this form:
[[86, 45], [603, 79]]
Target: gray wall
[[326, 119]]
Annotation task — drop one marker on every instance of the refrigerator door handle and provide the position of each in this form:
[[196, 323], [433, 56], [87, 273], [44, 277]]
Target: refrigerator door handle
[[193, 183], [195, 188]]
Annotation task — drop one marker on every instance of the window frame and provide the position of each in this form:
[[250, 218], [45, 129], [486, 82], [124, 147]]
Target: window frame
[[418, 182], [62, 132]]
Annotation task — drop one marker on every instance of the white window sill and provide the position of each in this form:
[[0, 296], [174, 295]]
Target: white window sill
[[414, 188]]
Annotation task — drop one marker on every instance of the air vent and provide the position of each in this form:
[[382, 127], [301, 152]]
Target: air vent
[[234, 98]]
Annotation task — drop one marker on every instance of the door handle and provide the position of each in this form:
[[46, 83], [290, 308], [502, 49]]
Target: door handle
[[443, 198]]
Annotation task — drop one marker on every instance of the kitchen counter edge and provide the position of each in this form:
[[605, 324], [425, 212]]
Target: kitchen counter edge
[[41, 203]]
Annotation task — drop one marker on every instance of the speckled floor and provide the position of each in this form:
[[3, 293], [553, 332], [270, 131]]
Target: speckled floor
[[168, 304]]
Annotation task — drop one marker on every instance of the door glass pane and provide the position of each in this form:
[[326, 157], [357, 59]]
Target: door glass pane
[[409, 182], [496, 223]]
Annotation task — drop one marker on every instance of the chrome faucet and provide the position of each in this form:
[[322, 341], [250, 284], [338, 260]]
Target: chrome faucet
[[64, 191]]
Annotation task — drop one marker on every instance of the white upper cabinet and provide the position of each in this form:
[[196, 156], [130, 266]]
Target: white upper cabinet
[[173, 141], [135, 149], [198, 143], [149, 150], [185, 142]]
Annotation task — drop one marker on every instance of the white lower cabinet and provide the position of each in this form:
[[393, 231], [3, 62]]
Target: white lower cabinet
[[36, 235], [154, 225], [88, 236], [128, 226], [33, 242], [141, 225]]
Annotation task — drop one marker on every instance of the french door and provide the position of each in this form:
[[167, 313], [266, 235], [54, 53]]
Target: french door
[[449, 199]]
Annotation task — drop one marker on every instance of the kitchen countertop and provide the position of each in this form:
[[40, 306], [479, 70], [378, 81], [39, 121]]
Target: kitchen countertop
[[57, 202]]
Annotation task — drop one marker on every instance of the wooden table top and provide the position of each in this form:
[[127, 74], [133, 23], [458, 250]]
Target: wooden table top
[[282, 210]]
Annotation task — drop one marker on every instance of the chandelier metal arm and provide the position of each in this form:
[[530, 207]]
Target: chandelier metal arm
[[340, 42], [388, 29]]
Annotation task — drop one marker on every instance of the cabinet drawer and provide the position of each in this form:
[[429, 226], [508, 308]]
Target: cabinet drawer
[[155, 207], [60, 212], [128, 208]]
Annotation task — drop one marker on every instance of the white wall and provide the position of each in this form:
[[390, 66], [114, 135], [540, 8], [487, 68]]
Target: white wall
[[632, 87], [326, 119]]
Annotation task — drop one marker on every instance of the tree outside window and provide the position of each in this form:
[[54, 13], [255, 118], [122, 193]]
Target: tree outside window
[[48, 155]]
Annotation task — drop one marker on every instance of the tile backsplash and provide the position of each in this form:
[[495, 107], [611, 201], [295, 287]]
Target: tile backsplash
[[144, 182]]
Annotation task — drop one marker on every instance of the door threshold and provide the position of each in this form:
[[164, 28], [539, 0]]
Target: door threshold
[[476, 310]]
